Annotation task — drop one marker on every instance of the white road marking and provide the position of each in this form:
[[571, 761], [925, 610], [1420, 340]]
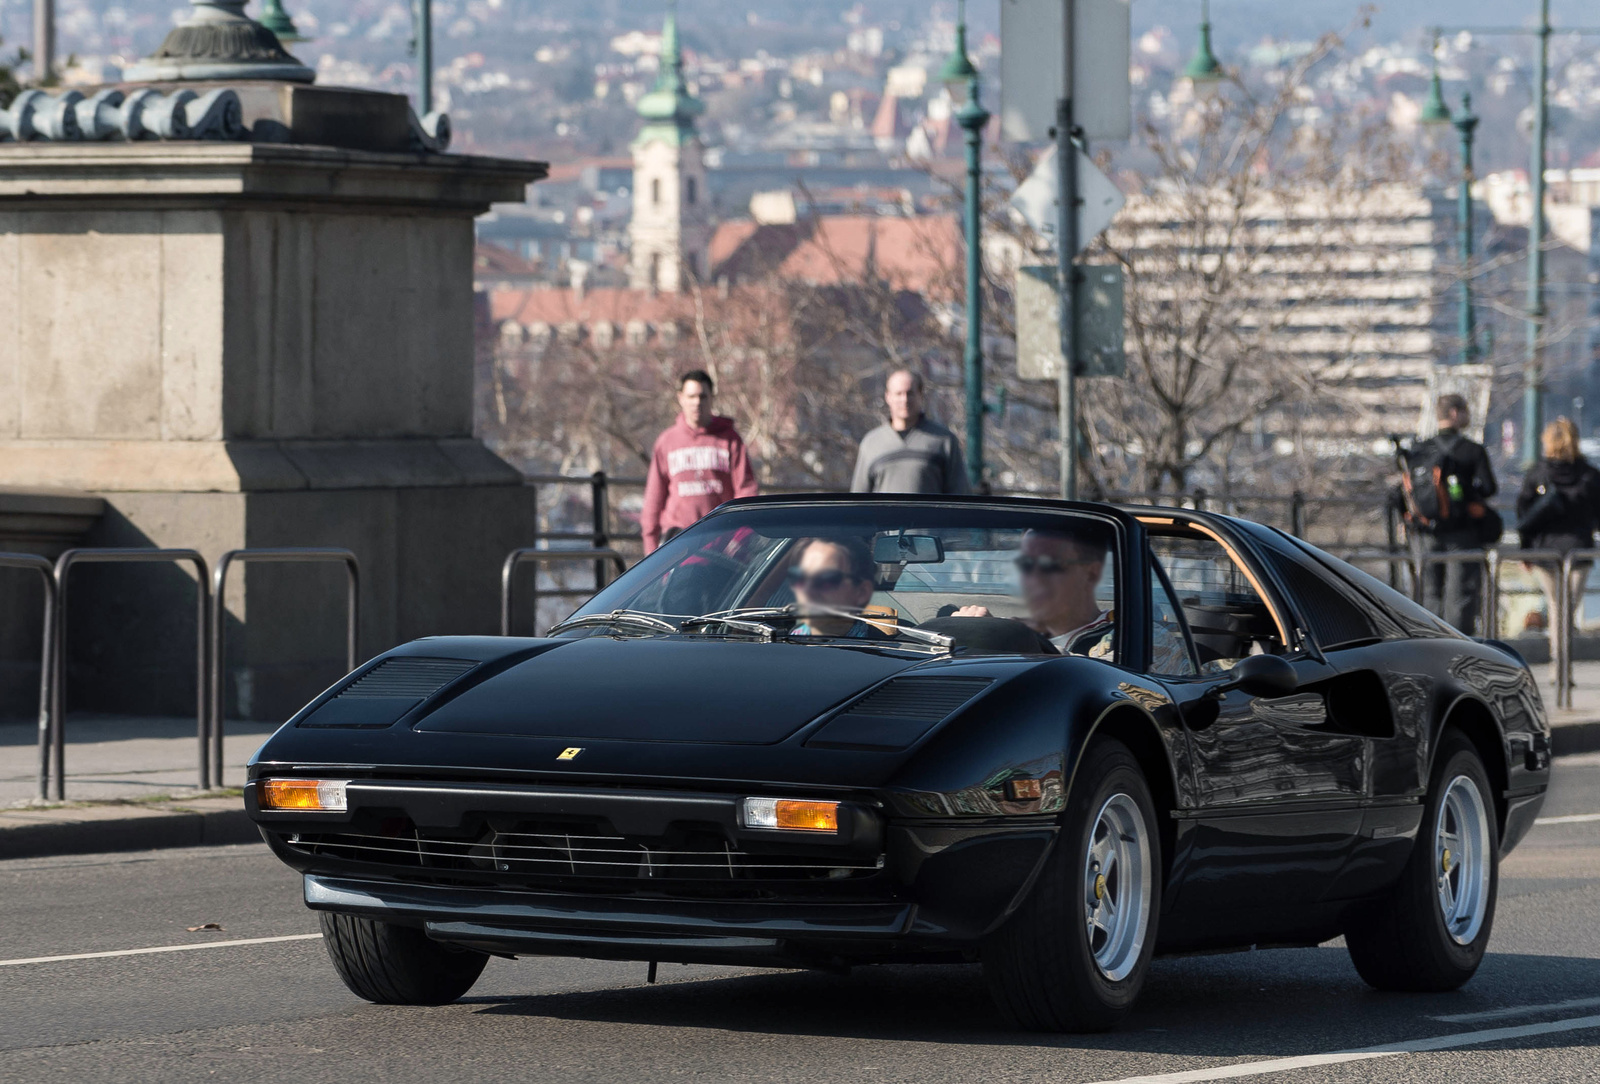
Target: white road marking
[[1412, 1046], [1517, 1010], [1574, 818], [162, 948]]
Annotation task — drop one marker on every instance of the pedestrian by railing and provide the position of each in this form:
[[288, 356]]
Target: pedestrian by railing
[[219, 613], [535, 555], [46, 571], [58, 698]]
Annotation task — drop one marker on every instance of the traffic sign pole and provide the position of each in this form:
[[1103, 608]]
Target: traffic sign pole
[[1066, 282]]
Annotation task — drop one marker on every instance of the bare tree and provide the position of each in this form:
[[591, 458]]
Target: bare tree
[[1255, 291]]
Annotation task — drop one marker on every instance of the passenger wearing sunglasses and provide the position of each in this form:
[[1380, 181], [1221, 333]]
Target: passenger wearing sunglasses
[[1059, 572], [835, 573]]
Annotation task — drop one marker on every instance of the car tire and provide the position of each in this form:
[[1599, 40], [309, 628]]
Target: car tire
[[1431, 932], [1062, 961], [397, 965]]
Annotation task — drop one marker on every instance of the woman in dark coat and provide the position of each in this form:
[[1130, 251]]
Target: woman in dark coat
[[1559, 509]]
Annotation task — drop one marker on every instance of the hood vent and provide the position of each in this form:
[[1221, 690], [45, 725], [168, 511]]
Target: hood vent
[[407, 675], [918, 697], [897, 713], [379, 697]]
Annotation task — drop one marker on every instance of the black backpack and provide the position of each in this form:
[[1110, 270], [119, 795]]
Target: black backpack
[[1440, 493]]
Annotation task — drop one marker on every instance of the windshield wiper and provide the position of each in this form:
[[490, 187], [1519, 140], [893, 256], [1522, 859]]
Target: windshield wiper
[[887, 625], [749, 619], [636, 618], [743, 619]]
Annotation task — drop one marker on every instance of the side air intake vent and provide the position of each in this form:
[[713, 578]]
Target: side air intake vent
[[897, 713], [383, 694], [407, 676]]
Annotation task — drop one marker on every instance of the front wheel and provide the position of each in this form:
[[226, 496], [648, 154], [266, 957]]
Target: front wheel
[[1074, 955], [1431, 933], [397, 965]]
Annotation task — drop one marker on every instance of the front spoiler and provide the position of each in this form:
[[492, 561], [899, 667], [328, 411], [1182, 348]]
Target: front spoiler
[[615, 928]]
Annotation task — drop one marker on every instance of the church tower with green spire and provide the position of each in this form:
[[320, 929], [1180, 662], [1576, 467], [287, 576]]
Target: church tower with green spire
[[670, 231]]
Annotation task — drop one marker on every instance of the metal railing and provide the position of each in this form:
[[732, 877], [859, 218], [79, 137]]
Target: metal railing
[[218, 646], [58, 706], [1394, 561], [535, 555], [46, 573], [1571, 600], [1487, 562]]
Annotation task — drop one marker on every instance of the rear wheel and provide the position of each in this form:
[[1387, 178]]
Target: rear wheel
[[397, 965], [1432, 932], [1074, 955]]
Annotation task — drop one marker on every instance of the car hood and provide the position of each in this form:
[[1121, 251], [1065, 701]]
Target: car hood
[[603, 688]]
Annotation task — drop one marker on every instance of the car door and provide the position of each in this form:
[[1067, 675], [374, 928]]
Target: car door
[[1371, 697], [1278, 798]]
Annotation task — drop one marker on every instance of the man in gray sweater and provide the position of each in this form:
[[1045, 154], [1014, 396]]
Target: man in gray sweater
[[909, 453]]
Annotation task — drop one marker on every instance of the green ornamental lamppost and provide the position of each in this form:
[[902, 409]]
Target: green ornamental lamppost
[[1204, 70], [1435, 113], [960, 77], [277, 20], [1466, 124]]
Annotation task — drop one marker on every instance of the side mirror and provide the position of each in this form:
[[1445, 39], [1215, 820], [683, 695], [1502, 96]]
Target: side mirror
[[1260, 675]]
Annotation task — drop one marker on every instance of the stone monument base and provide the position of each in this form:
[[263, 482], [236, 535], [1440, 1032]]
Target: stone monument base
[[243, 345]]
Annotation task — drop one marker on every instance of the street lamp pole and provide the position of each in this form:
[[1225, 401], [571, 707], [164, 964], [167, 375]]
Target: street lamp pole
[[962, 78], [1466, 123], [424, 26], [1533, 365]]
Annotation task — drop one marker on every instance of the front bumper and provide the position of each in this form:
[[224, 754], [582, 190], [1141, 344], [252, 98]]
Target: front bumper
[[664, 875], [600, 927]]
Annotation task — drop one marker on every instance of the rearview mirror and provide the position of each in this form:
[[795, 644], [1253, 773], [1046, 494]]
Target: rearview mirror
[[1262, 675], [907, 549]]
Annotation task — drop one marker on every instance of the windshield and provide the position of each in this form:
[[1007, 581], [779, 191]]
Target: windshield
[[886, 565]]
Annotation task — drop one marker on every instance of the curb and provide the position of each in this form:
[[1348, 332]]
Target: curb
[[1568, 739], [99, 829]]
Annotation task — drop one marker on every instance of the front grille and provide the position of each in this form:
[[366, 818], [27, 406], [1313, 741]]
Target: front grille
[[566, 853]]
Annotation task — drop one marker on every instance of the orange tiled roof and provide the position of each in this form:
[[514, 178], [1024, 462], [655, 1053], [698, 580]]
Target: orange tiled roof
[[919, 253], [556, 305]]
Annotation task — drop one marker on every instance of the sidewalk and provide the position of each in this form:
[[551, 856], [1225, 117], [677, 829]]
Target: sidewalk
[[131, 786], [112, 757]]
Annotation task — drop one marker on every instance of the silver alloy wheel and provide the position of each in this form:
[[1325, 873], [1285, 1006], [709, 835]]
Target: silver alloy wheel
[[1461, 859], [1116, 886]]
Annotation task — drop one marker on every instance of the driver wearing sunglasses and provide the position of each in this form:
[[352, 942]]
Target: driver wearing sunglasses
[[1059, 572], [837, 573]]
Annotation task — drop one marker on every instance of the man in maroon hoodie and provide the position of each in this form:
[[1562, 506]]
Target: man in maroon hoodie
[[698, 463]]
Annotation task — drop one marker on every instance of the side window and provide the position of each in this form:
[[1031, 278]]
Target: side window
[[1333, 617], [1227, 617], [1413, 620], [1169, 647]]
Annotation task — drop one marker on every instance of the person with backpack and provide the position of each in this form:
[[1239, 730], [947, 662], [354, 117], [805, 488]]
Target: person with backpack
[[1559, 509], [1447, 485]]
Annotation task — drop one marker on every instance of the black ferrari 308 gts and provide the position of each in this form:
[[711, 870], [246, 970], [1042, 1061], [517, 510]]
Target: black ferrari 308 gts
[[1051, 738]]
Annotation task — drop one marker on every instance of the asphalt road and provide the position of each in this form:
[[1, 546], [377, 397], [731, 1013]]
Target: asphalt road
[[273, 1010]]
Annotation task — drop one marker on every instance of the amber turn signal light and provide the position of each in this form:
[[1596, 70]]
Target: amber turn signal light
[[791, 814], [303, 795], [1024, 790]]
